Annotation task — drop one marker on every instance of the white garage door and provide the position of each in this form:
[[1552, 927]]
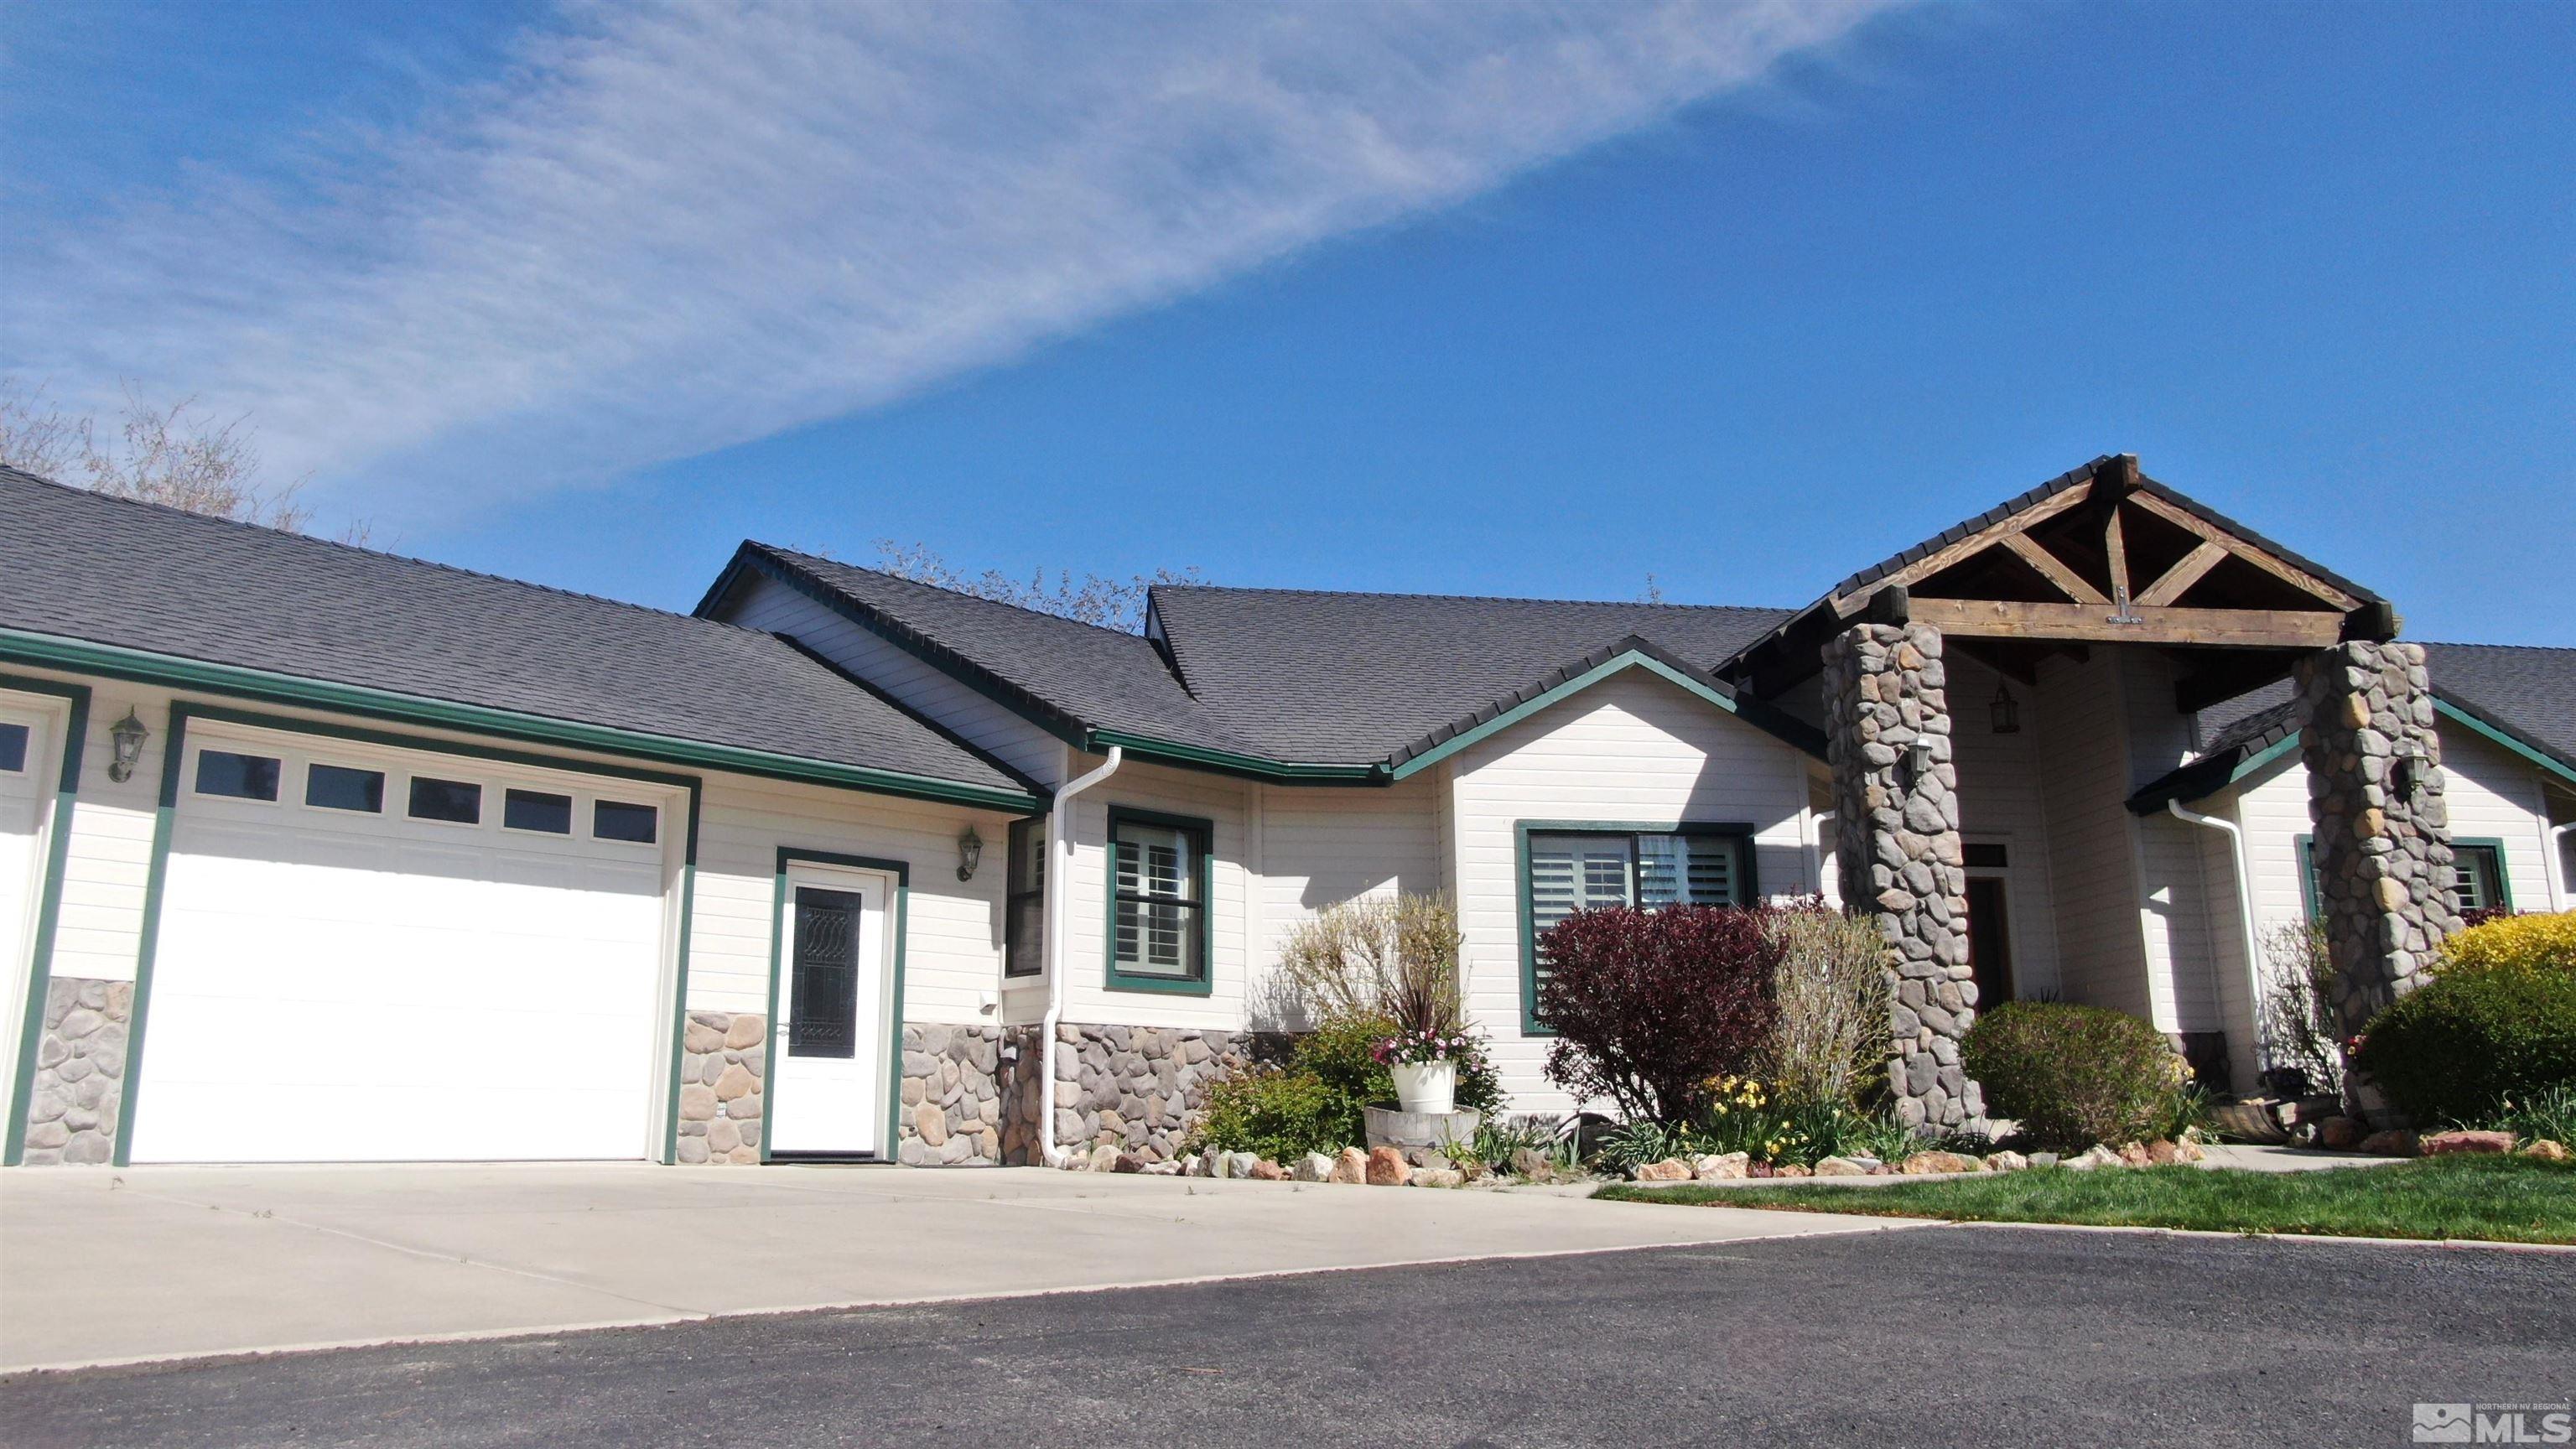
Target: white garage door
[[378, 955], [27, 781]]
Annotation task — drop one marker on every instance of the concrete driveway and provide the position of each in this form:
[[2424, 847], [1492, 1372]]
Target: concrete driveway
[[101, 1266]]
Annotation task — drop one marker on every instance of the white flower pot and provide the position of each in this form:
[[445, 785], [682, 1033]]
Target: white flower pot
[[1426, 1086]]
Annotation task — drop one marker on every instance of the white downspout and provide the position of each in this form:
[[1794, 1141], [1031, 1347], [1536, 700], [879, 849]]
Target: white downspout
[[1060, 845], [2244, 897]]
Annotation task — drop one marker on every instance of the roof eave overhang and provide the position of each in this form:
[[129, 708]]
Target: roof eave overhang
[[243, 682], [2206, 777]]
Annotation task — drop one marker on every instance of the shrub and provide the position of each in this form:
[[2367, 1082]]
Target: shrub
[[2072, 1075], [2296, 1027], [1630, 1145], [2513, 943], [1498, 1140], [2473, 1037], [1649, 1006], [1337, 1078], [1829, 1039], [1379, 957], [2546, 1115], [1278, 1113]]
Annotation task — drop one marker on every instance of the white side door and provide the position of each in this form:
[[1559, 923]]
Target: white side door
[[828, 1049], [27, 780]]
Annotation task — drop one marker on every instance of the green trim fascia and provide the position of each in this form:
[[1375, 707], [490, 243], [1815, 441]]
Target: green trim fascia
[[119, 662], [1116, 980], [1617, 664], [1225, 762], [2502, 736], [2305, 845], [789, 855], [174, 756], [1522, 830], [49, 898], [173, 753], [2503, 865]]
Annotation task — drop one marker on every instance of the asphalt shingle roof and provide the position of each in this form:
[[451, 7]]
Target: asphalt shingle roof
[[78, 565]]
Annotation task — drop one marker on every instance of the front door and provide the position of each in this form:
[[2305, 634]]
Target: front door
[[1989, 941], [827, 1083]]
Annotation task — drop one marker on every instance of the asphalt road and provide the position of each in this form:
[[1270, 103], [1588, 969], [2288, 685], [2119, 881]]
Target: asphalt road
[[1926, 1337]]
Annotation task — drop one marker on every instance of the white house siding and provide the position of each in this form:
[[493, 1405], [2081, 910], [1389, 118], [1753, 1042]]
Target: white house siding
[[2001, 803], [761, 602], [1316, 847], [2083, 758], [1223, 803], [1634, 749]]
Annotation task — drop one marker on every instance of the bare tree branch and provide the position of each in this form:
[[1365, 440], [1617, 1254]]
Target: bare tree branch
[[1108, 603]]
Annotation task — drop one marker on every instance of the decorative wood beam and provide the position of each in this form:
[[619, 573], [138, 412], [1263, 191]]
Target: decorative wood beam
[[2279, 568], [2244, 628], [2185, 574], [1934, 562], [2115, 546], [2051, 568]]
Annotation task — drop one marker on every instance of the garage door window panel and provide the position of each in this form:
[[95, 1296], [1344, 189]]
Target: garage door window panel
[[537, 812], [342, 787], [13, 748], [237, 776], [452, 802], [620, 821]]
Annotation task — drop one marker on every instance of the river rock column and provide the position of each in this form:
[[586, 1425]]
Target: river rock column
[[2383, 832], [1896, 823]]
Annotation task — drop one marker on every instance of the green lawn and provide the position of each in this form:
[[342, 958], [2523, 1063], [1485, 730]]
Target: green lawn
[[2502, 1199]]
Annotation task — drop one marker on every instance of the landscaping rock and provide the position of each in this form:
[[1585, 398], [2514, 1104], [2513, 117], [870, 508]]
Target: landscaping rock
[[1127, 1162], [1792, 1169], [1266, 1170], [1440, 1177], [1313, 1167], [1240, 1164], [2043, 1159], [1718, 1166], [1162, 1169], [2548, 1150], [1387, 1168], [2442, 1144], [1531, 1163], [2006, 1162], [1350, 1167], [2395, 1142], [1671, 1169], [2134, 1154], [1842, 1167], [2189, 1151], [2340, 1134], [2163, 1153], [1924, 1162], [1193, 1166], [2095, 1156]]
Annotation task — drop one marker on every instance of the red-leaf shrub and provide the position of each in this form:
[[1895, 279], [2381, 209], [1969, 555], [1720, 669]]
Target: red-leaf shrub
[[1648, 1006]]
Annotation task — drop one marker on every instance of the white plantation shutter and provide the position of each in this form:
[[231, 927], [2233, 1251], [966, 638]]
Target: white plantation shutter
[[1579, 872], [1570, 873], [1686, 870]]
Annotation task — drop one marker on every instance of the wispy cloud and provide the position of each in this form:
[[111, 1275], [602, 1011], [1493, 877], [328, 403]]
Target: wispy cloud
[[667, 229]]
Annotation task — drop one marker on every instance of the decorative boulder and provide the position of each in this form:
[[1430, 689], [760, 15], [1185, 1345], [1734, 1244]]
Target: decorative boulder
[[2095, 1156], [1721, 1165], [1128, 1162], [2395, 1142], [2547, 1150], [1240, 1164], [1162, 1169], [2163, 1153], [2443, 1144], [1266, 1170], [2006, 1162], [1671, 1169], [2340, 1134], [1842, 1167], [2134, 1154], [1104, 1158], [1350, 1167], [1928, 1162], [1387, 1168], [1440, 1177], [1313, 1167], [1792, 1169], [2189, 1151]]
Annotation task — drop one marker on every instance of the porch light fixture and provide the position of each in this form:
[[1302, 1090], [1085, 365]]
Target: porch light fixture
[[2004, 711], [1918, 761], [128, 735], [970, 853], [2407, 770]]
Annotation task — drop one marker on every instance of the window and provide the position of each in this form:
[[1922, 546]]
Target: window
[[2311, 890], [616, 820], [243, 777], [13, 748], [337, 787], [458, 802], [1581, 868], [1158, 886], [1024, 900], [2477, 875], [538, 811], [823, 999], [1985, 855]]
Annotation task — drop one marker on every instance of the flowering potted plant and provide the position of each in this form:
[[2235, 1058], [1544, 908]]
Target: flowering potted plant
[[1425, 1067]]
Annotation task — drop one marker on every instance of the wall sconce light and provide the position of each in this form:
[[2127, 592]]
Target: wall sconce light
[[1918, 761], [2004, 711], [128, 735], [2407, 770], [970, 853]]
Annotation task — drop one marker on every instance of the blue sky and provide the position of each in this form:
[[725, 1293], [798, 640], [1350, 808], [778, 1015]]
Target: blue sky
[[1487, 300]]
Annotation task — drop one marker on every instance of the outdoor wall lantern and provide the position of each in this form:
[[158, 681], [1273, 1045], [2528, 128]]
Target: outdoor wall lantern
[[2408, 768], [128, 734], [970, 853], [2004, 710], [1918, 761]]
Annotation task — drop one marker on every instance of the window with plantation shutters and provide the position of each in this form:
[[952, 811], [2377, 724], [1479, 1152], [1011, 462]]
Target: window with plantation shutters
[[1024, 905], [1158, 887], [1575, 869]]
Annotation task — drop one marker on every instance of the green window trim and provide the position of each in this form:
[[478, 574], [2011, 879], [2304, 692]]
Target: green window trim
[[1023, 884], [2494, 847], [1202, 835], [899, 910], [49, 896], [2311, 894], [174, 754], [1748, 877], [2311, 890]]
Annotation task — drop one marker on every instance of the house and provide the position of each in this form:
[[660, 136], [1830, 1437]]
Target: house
[[314, 853]]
